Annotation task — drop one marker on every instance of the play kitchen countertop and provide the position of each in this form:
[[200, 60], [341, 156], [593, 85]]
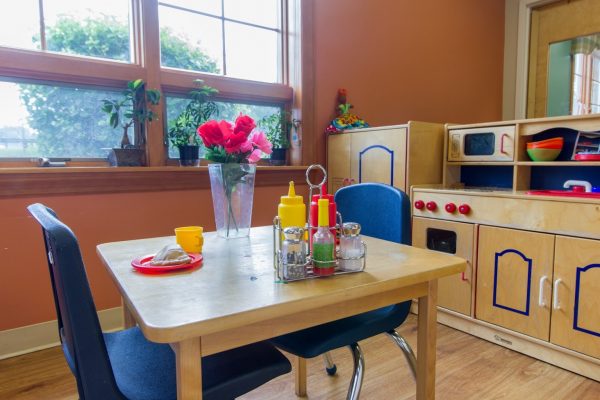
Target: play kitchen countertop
[[576, 216]]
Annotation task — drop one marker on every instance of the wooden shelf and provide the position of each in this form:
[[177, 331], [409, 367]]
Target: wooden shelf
[[73, 180], [480, 163], [560, 163], [522, 164]]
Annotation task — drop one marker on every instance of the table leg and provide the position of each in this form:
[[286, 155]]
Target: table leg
[[128, 320], [426, 344], [189, 369], [300, 376]]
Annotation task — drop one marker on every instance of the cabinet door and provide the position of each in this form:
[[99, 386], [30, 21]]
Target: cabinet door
[[338, 161], [512, 267], [576, 299], [454, 292], [380, 156]]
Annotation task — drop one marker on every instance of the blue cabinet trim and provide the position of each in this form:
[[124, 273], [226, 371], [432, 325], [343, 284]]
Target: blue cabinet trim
[[581, 271], [376, 146], [529, 267]]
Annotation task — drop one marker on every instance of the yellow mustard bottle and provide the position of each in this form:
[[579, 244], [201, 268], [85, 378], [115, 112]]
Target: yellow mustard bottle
[[291, 209]]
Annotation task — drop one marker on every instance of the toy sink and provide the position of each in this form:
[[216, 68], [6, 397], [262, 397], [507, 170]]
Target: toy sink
[[565, 193]]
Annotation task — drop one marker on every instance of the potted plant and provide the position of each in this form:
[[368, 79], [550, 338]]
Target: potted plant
[[183, 131], [277, 128], [131, 110]]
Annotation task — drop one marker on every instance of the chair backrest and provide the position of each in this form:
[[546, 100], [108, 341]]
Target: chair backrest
[[78, 325], [382, 210]]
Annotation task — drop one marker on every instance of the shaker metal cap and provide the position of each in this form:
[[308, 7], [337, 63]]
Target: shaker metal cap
[[293, 233], [351, 229]]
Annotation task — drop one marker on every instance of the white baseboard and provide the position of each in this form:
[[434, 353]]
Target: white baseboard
[[26, 339]]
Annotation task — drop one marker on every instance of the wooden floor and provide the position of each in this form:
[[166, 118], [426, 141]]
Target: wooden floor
[[468, 368]]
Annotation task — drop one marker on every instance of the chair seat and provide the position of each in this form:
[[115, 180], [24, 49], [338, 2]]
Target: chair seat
[[146, 371], [311, 342]]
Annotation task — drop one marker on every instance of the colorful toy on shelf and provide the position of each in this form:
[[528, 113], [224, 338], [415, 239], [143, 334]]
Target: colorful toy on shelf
[[545, 150], [345, 119]]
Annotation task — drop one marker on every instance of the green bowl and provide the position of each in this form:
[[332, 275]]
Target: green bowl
[[543, 154]]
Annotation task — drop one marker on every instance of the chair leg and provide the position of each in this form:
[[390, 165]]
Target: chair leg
[[359, 369], [330, 367], [406, 349]]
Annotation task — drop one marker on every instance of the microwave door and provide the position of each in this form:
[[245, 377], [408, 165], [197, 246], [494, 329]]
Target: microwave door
[[479, 144]]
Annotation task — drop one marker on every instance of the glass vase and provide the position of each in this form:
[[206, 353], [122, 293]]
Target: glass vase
[[232, 187]]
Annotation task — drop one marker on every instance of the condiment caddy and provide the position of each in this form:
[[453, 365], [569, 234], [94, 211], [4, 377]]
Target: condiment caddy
[[314, 250]]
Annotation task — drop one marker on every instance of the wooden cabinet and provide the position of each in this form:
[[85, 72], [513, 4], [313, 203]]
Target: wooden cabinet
[[401, 155], [514, 270], [454, 292], [541, 285], [576, 295]]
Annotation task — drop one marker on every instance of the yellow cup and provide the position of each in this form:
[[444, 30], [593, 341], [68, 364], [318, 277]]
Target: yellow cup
[[190, 238]]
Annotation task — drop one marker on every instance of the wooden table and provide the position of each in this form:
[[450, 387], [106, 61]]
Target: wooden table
[[232, 300]]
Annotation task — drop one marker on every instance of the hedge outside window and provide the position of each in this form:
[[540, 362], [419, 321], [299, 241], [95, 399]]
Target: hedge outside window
[[40, 120], [80, 27], [237, 38], [226, 110]]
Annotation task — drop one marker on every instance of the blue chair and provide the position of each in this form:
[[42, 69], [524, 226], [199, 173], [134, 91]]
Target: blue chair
[[124, 365], [383, 212]]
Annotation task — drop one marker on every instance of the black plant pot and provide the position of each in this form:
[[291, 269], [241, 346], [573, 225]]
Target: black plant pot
[[278, 157], [189, 156]]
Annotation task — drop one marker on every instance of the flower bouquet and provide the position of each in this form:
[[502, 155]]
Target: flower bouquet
[[234, 149]]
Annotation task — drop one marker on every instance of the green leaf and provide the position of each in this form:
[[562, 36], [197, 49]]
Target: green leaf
[[107, 107], [114, 120]]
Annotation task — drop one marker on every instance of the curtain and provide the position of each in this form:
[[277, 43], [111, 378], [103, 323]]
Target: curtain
[[585, 44]]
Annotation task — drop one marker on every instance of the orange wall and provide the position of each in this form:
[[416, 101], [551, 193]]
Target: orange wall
[[25, 292], [401, 60]]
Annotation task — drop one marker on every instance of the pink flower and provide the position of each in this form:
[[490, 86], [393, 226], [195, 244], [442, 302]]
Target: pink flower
[[245, 124], [215, 133], [247, 146], [254, 156], [260, 141]]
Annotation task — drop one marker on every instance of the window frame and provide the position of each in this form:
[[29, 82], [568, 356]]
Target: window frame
[[59, 69]]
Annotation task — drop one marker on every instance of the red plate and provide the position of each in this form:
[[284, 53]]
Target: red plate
[[142, 264], [587, 157]]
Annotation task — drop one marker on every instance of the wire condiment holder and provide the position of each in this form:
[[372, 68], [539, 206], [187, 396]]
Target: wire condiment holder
[[289, 272]]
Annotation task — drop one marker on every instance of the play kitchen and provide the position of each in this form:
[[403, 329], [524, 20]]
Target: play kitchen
[[520, 201]]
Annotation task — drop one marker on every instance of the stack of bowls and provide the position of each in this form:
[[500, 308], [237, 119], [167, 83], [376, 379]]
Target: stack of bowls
[[545, 150]]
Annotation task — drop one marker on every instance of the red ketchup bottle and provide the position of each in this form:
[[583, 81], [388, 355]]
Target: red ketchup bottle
[[314, 212]]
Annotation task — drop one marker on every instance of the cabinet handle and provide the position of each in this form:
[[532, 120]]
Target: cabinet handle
[[556, 303], [463, 277], [502, 142], [541, 300]]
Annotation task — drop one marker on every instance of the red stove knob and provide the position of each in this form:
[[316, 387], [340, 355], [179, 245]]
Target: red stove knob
[[450, 207], [431, 206], [464, 209], [419, 204]]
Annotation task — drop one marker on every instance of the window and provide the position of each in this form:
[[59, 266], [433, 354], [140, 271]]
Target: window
[[586, 84], [60, 58], [226, 110], [79, 27], [54, 121], [238, 38]]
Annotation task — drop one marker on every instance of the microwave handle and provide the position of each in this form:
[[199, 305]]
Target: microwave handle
[[502, 142]]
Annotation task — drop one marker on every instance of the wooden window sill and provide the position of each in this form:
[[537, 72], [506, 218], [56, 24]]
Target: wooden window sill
[[87, 180]]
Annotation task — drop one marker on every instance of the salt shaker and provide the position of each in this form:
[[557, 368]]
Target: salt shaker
[[351, 247], [293, 253]]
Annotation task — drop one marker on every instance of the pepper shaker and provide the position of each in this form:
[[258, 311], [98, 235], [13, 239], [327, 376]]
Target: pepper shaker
[[293, 253], [351, 247]]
